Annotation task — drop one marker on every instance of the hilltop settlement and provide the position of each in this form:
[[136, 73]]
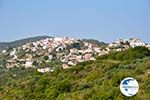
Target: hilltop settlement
[[65, 51]]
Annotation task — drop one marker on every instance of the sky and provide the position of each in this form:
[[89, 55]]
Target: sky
[[104, 20]]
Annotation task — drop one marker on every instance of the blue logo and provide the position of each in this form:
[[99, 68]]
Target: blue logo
[[129, 86]]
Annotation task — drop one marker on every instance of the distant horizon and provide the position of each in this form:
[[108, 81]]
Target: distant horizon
[[68, 37]]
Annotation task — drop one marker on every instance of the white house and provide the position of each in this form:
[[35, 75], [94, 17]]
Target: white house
[[4, 51], [13, 52], [136, 42], [65, 66], [28, 64], [57, 39], [44, 70]]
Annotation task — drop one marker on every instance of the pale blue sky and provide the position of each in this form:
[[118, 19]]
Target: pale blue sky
[[105, 20]]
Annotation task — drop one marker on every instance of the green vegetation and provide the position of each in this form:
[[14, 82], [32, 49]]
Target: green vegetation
[[90, 80], [130, 54], [75, 45], [95, 42]]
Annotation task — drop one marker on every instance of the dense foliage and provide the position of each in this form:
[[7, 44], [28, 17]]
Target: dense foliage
[[90, 80]]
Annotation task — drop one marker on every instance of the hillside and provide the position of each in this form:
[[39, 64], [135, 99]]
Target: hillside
[[89, 80], [41, 53], [17, 43], [95, 42], [44, 53], [14, 44]]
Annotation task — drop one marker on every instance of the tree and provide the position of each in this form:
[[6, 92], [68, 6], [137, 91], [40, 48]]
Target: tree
[[46, 57], [35, 63]]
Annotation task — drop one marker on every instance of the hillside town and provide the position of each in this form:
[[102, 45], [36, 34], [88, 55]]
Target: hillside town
[[67, 51]]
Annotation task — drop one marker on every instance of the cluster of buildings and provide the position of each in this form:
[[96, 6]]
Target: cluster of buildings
[[124, 44], [88, 52], [62, 49], [68, 51]]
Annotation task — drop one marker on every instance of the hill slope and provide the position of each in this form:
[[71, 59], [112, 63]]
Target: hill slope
[[14, 44], [95, 42], [90, 80]]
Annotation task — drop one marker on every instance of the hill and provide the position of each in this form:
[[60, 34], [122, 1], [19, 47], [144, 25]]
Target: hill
[[95, 42], [17, 43], [89, 80], [67, 51]]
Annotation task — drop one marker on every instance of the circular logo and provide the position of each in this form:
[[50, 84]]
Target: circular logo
[[129, 86]]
